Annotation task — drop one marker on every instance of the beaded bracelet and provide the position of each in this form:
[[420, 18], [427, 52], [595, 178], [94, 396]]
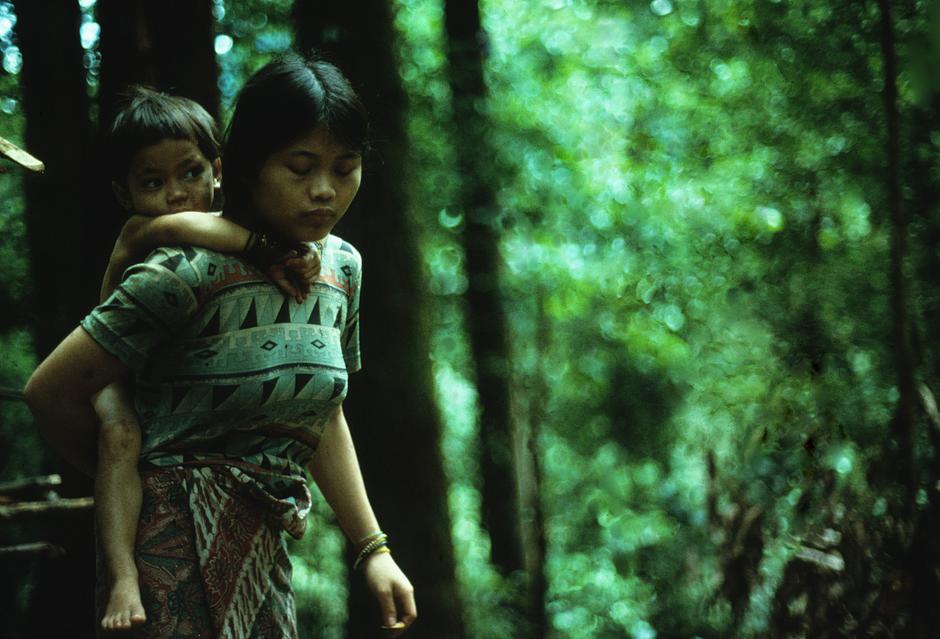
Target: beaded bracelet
[[377, 543]]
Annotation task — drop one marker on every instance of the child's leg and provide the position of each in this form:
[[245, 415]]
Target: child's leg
[[117, 506]]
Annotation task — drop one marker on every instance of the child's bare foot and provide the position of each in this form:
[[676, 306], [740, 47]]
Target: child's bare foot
[[124, 607]]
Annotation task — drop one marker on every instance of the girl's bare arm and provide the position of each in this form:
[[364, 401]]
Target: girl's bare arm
[[336, 470]]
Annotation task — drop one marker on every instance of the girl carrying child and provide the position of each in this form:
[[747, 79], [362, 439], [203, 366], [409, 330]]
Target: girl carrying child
[[165, 168], [238, 388]]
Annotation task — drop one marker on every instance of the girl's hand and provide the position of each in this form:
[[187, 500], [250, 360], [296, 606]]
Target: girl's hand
[[296, 273], [393, 591]]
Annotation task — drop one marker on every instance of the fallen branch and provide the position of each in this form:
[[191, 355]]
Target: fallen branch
[[28, 509], [35, 549], [12, 152], [28, 485]]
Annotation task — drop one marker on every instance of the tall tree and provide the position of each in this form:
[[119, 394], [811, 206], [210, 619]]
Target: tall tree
[[903, 421], [485, 315], [167, 45], [58, 131], [391, 404]]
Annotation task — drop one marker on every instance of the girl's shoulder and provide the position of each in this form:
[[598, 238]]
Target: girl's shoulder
[[339, 254], [338, 244]]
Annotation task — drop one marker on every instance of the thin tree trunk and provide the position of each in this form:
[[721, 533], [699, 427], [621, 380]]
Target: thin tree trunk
[[391, 407], [533, 402], [57, 132], [486, 319], [903, 422]]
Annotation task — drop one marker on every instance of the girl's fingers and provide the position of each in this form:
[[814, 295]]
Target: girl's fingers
[[389, 614], [407, 610]]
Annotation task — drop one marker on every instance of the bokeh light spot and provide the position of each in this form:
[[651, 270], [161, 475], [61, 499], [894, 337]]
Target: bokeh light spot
[[223, 44]]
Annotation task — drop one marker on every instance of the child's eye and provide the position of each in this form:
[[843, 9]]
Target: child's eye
[[151, 183], [194, 172]]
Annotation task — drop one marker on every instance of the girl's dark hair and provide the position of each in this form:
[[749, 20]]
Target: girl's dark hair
[[282, 101], [146, 117]]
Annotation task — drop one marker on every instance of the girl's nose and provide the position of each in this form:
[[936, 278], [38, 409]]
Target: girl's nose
[[321, 187]]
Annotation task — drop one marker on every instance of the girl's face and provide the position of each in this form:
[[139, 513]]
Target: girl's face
[[304, 189]]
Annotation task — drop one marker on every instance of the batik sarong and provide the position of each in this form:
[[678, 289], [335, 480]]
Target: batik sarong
[[212, 561]]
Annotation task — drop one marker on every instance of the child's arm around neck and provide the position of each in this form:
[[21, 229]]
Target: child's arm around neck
[[142, 234]]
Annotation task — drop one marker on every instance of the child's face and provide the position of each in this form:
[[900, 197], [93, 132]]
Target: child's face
[[304, 189], [168, 177]]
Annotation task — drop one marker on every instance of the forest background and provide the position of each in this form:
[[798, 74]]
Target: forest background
[[651, 302]]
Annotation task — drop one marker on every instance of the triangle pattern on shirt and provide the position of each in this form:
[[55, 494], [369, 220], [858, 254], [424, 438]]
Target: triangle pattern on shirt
[[351, 333], [266, 389], [212, 326], [338, 385], [251, 318], [283, 315], [300, 382], [222, 393], [172, 263], [315, 314], [178, 393]]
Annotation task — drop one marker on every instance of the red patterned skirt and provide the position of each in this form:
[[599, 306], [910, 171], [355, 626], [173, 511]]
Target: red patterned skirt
[[212, 561]]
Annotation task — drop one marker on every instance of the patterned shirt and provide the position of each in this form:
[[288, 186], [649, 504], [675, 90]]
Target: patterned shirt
[[228, 369]]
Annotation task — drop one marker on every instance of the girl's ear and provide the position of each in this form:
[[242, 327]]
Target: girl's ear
[[122, 195], [217, 173]]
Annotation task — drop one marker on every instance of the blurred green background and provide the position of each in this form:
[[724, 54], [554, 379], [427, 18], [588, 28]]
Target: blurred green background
[[717, 268]]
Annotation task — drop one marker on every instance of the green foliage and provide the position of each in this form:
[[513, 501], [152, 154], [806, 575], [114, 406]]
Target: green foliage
[[694, 194], [259, 30], [693, 214], [20, 455]]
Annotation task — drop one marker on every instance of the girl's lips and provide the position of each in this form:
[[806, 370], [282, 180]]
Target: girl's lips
[[322, 215]]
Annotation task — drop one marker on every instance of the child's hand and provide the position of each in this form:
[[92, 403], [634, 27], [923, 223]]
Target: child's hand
[[296, 273]]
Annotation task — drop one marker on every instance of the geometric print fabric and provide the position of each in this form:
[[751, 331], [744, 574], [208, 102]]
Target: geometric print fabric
[[228, 369]]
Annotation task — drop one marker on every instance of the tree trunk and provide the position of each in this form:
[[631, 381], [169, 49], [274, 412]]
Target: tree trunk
[[486, 319], [903, 421], [391, 407], [58, 133], [64, 279], [167, 45], [533, 404]]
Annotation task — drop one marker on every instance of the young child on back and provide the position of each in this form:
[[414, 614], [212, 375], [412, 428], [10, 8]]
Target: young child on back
[[165, 169]]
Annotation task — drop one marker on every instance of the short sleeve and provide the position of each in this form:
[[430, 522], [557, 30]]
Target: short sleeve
[[350, 337], [152, 304]]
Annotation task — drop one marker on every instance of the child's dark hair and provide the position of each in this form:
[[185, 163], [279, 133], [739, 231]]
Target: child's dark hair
[[146, 117], [283, 100]]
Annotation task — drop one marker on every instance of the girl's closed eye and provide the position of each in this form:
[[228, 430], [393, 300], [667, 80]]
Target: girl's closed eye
[[299, 168], [346, 169]]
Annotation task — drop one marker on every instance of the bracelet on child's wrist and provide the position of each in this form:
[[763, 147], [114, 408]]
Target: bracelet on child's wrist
[[260, 248]]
